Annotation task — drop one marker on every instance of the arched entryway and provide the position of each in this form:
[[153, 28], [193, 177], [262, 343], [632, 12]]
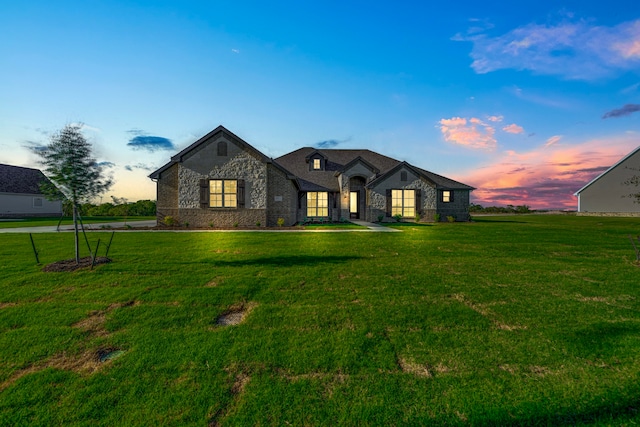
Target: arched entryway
[[356, 197]]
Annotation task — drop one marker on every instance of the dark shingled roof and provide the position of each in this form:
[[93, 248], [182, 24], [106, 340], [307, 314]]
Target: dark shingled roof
[[296, 162], [16, 179]]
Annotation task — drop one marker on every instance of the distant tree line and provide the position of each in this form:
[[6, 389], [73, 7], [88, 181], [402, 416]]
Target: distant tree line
[[119, 207], [473, 208]]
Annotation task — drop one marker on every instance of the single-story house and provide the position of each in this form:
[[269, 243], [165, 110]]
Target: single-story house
[[20, 194], [222, 181], [610, 193]]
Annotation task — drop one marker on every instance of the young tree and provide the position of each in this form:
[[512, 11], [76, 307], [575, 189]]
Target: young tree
[[73, 172]]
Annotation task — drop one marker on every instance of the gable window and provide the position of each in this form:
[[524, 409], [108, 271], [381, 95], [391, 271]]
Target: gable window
[[222, 149], [447, 196], [316, 164], [403, 176], [317, 203], [403, 202]]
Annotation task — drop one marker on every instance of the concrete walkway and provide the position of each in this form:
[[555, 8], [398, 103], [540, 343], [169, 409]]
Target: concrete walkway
[[69, 227], [117, 226], [374, 227]]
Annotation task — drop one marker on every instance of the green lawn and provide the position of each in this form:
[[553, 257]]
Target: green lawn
[[519, 320], [42, 222]]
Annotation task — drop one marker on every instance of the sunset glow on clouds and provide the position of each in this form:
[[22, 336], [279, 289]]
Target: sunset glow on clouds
[[547, 177], [513, 128], [475, 133], [472, 133]]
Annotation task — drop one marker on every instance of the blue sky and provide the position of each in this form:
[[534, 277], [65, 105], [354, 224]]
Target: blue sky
[[526, 102]]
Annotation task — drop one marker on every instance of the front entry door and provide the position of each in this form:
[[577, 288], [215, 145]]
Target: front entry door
[[354, 213]]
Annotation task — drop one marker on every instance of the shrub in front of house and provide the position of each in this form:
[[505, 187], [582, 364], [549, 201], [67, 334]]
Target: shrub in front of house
[[436, 217], [397, 217], [170, 221], [451, 218], [280, 222]]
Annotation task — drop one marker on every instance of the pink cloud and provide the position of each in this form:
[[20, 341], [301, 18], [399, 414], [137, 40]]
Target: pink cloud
[[495, 118], [547, 177], [472, 133], [513, 128], [554, 139]]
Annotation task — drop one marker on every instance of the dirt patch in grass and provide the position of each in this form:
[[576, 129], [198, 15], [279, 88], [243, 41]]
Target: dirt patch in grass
[[235, 314], [70, 264], [94, 323], [7, 305], [410, 367], [87, 362], [240, 381], [484, 311]]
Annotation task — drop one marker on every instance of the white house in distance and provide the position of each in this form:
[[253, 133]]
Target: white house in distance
[[609, 194], [20, 194]]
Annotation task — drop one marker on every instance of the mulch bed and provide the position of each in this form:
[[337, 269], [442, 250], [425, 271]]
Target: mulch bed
[[70, 264]]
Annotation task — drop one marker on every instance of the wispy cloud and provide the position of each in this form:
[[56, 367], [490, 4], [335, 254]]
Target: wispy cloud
[[554, 139], [576, 50], [495, 119], [142, 166], [621, 112], [513, 128], [547, 177], [105, 164], [84, 126], [330, 143], [548, 100], [34, 146], [472, 133]]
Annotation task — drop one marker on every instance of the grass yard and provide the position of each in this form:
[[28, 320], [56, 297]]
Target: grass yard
[[519, 320]]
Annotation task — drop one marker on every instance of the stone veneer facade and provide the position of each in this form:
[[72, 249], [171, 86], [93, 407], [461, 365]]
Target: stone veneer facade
[[378, 201], [178, 195], [272, 193]]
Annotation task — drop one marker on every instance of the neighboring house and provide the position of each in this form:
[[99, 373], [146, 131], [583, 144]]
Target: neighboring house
[[222, 181], [610, 192], [20, 194]]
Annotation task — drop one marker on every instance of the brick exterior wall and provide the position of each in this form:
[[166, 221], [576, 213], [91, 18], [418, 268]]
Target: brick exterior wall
[[218, 218], [282, 198], [459, 208], [377, 203], [167, 194]]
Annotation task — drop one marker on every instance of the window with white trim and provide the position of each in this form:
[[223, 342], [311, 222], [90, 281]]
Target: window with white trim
[[317, 203]]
